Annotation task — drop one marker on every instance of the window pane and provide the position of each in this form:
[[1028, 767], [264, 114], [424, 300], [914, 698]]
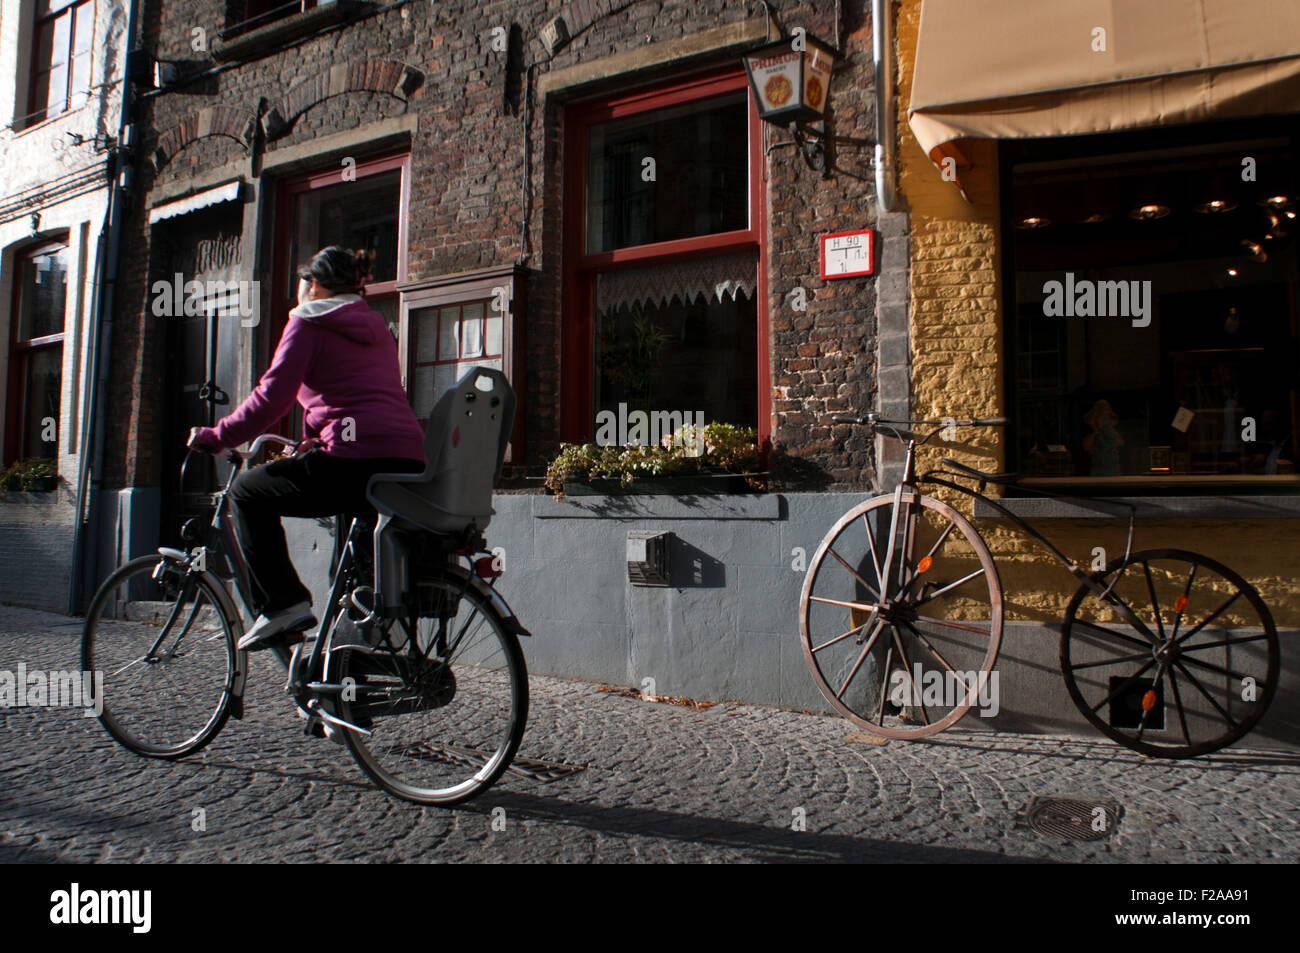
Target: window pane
[[355, 215], [56, 100], [693, 351], [83, 30], [700, 155], [425, 326], [61, 40], [1158, 347], [449, 335], [41, 400], [43, 295], [472, 329], [81, 74]]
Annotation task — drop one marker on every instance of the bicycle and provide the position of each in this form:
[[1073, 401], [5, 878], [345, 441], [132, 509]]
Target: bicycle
[[924, 576], [416, 665]]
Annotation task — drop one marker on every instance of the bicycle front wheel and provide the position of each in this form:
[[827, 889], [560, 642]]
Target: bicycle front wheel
[[901, 617], [160, 640], [1180, 657], [444, 695]]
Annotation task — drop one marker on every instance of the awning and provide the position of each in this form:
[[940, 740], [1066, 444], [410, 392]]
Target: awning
[[191, 203], [1010, 69]]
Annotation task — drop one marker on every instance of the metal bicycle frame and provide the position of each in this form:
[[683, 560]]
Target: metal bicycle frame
[[914, 483]]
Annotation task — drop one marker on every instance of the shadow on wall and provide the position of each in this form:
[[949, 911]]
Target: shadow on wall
[[692, 568]]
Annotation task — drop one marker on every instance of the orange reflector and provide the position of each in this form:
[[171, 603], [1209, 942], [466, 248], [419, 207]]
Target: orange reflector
[[1149, 700], [1180, 604], [924, 564]]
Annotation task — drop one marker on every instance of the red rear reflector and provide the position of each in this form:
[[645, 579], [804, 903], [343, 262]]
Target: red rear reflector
[[484, 569]]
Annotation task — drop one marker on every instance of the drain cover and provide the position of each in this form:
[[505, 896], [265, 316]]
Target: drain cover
[[544, 771], [1074, 818]]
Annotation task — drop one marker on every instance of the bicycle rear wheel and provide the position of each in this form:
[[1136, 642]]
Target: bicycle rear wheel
[[901, 617], [1180, 659], [445, 696], [166, 651]]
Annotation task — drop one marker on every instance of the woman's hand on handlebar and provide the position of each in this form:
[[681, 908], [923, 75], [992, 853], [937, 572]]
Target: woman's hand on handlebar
[[203, 438]]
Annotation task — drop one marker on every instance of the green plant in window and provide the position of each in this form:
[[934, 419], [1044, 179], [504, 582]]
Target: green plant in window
[[34, 473], [633, 363], [714, 449]]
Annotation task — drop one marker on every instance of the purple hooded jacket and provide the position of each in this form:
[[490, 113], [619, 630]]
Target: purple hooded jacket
[[339, 360]]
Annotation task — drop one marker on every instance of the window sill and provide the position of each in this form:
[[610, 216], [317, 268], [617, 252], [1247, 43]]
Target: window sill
[[274, 35], [764, 506], [1285, 506]]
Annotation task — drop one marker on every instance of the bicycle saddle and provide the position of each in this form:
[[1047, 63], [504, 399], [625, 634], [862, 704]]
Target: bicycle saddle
[[979, 474], [464, 449]]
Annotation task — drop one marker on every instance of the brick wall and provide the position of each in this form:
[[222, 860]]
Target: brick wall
[[466, 206]]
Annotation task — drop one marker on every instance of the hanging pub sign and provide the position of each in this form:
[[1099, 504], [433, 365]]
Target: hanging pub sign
[[791, 84], [849, 254]]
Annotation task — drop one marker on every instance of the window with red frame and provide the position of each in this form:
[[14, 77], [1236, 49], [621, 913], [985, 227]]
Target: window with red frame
[[665, 304], [62, 38], [36, 353]]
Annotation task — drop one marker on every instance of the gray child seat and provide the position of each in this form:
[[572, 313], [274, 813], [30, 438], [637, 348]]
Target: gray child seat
[[464, 449]]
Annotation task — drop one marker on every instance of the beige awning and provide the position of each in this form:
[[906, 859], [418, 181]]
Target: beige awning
[[1010, 69]]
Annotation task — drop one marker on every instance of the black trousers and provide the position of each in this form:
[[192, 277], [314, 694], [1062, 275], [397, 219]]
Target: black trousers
[[310, 484]]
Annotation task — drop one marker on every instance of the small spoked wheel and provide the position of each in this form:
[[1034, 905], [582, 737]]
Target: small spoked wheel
[[165, 648], [1171, 654], [901, 617], [444, 695]]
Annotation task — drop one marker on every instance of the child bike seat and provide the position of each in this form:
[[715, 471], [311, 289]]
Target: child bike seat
[[464, 449]]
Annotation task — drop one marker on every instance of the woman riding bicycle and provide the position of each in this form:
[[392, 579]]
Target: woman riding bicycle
[[338, 359]]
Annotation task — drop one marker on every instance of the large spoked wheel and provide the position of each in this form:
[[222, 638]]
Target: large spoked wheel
[[901, 617], [166, 651], [1178, 659], [445, 696]]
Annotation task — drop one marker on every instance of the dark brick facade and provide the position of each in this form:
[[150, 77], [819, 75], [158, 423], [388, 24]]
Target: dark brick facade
[[467, 201]]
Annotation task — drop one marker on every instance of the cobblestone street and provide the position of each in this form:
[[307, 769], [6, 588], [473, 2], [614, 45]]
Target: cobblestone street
[[659, 782]]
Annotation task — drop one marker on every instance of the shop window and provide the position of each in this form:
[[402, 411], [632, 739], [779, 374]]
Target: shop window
[[359, 206], [1152, 337], [664, 308], [453, 323], [36, 353], [62, 37]]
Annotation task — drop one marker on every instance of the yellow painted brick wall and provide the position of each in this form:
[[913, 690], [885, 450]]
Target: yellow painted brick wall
[[957, 371]]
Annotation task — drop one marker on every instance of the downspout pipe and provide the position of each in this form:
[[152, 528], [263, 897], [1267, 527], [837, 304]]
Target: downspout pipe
[[90, 479], [882, 50]]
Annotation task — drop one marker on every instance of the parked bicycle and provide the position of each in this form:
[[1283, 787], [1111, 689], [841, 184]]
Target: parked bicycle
[[416, 665], [1166, 651]]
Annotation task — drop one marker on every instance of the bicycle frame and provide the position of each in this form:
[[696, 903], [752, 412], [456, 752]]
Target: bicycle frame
[[914, 483]]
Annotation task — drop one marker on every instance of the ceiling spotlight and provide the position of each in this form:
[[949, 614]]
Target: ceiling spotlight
[[1149, 213], [1232, 272], [1096, 218], [1033, 221], [1276, 201], [1216, 205], [1254, 250], [1289, 213]]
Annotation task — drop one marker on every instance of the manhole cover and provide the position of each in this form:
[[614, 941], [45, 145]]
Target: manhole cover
[[1074, 818]]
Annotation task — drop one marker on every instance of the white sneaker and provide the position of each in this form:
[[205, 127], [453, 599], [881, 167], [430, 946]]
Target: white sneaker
[[293, 619]]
